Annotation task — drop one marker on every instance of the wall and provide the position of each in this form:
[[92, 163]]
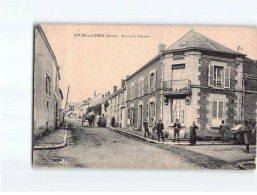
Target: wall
[[231, 97], [147, 96], [43, 63]]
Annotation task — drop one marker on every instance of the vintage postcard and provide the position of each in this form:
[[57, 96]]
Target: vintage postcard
[[141, 96]]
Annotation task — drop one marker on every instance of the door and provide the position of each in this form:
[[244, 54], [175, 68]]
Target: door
[[140, 117], [122, 117]]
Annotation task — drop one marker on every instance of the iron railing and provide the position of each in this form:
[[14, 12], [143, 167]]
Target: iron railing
[[176, 87]]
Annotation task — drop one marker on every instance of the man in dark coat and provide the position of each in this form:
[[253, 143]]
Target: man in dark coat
[[146, 128], [193, 129], [113, 121], [177, 127], [247, 129], [159, 129]]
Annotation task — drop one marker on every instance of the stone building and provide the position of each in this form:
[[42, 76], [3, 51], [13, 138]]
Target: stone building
[[250, 90], [195, 79], [47, 97]]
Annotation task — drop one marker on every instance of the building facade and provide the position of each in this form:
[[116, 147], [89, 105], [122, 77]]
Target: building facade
[[116, 107], [47, 97], [195, 79]]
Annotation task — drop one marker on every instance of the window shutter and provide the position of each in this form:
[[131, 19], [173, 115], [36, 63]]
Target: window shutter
[[214, 109], [142, 87], [155, 83], [154, 108], [220, 111], [227, 78], [211, 75], [149, 87]]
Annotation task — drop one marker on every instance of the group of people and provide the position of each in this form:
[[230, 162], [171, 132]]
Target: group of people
[[158, 128]]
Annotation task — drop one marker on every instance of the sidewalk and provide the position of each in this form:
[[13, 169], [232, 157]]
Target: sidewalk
[[140, 134], [223, 151], [56, 139]]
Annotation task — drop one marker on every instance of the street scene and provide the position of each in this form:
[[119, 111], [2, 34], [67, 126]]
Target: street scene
[[189, 105]]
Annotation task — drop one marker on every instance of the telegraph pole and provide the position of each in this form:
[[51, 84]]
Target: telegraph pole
[[67, 98]]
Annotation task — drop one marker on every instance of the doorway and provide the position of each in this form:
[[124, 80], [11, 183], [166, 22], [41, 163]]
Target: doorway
[[140, 117]]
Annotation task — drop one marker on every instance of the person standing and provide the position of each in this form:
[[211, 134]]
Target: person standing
[[159, 129], [177, 127], [222, 130], [193, 129], [146, 128], [247, 130], [153, 128], [113, 121]]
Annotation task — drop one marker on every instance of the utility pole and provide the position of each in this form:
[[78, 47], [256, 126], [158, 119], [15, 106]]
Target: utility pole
[[67, 97]]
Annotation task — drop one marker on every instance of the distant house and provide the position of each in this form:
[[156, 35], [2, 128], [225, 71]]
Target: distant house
[[47, 95], [116, 109]]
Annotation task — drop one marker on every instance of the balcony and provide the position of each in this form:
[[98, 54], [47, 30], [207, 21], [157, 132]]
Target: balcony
[[177, 87]]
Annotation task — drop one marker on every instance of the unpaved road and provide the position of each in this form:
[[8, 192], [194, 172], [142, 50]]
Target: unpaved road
[[92, 147]]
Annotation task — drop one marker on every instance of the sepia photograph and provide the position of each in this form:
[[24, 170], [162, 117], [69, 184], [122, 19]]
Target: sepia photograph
[[144, 97]]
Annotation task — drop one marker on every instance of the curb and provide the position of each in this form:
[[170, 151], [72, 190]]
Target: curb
[[243, 165], [157, 142], [53, 146]]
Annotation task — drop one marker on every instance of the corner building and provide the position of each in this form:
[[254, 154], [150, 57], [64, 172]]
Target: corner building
[[195, 79]]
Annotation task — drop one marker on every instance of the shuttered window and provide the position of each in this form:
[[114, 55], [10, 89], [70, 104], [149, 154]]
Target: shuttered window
[[147, 110], [219, 76], [227, 78], [211, 75], [217, 112]]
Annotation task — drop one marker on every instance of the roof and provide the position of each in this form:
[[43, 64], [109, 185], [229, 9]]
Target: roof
[[117, 92], [102, 101], [191, 40], [195, 40], [153, 60]]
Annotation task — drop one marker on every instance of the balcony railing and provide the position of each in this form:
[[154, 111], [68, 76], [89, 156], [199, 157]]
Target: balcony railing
[[176, 87]]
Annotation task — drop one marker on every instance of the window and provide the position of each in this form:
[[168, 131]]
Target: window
[[177, 71], [128, 113], [48, 84], [133, 95], [217, 112], [152, 81], [132, 121], [178, 110], [152, 110], [147, 110], [141, 87], [219, 76]]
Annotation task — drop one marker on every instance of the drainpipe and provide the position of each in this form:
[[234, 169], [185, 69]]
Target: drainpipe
[[243, 96], [162, 88]]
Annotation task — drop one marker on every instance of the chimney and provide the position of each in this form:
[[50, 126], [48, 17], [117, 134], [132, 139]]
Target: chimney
[[103, 96], [161, 47], [127, 76], [122, 82], [94, 93], [108, 93], [114, 88]]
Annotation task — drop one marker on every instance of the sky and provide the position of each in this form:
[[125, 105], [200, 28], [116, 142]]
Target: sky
[[91, 64]]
